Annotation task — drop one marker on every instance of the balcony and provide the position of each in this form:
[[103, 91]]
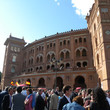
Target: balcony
[[79, 68]]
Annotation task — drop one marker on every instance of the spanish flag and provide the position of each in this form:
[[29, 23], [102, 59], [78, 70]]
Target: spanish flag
[[28, 83], [12, 83], [17, 83]]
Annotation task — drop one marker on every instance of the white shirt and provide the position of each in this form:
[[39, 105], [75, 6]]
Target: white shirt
[[108, 99], [68, 98]]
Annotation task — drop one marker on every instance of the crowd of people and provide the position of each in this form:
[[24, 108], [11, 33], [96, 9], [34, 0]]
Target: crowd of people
[[23, 98]]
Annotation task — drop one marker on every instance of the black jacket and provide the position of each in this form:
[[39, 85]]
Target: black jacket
[[6, 102], [62, 102], [40, 103]]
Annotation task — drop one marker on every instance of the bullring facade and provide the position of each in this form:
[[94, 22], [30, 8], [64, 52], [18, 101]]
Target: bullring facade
[[81, 55]]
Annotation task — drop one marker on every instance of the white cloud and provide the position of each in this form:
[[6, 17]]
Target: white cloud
[[58, 3], [82, 6], [56, 0]]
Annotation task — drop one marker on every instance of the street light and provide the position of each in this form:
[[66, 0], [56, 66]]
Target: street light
[[56, 68]]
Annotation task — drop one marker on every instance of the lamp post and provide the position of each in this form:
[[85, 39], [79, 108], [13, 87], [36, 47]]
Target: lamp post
[[56, 68]]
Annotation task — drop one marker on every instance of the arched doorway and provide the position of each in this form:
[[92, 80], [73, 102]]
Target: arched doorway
[[41, 82], [80, 82], [59, 83]]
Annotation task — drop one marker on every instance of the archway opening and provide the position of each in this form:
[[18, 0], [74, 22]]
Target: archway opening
[[41, 82], [58, 83], [80, 82]]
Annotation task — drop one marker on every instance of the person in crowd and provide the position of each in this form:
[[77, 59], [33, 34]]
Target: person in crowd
[[88, 98], [2, 94], [7, 100], [108, 96], [48, 99], [43, 95], [24, 92], [40, 103], [66, 98], [99, 100], [54, 101], [60, 95], [77, 104], [75, 93], [18, 100], [57, 90], [28, 100], [14, 90], [34, 97]]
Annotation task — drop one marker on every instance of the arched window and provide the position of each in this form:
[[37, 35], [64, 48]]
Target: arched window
[[67, 65], [37, 60], [48, 57], [53, 56], [76, 40], [68, 42], [78, 64], [28, 70], [84, 39], [40, 67], [67, 55], [41, 59], [78, 53], [31, 69], [37, 68], [60, 43], [32, 61], [54, 45], [84, 64], [61, 66], [48, 67], [98, 59], [29, 61], [80, 40], [52, 67], [13, 69], [14, 58], [84, 53], [62, 55], [39, 48], [50, 44], [64, 42]]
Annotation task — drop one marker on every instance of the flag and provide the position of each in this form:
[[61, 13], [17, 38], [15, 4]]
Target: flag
[[28, 83], [17, 83], [12, 83]]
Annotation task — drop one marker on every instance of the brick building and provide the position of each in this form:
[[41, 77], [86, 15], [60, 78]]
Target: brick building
[[85, 55]]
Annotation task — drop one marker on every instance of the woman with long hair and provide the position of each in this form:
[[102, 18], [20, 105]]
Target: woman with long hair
[[99, 100]]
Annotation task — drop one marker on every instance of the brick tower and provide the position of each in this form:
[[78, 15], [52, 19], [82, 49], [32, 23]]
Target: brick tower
[[99, 26], [13, 59]]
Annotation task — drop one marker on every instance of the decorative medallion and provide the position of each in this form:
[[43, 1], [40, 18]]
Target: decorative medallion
[[108, 32]]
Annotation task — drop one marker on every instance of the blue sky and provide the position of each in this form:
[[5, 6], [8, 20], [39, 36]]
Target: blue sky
[[35, 19]]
